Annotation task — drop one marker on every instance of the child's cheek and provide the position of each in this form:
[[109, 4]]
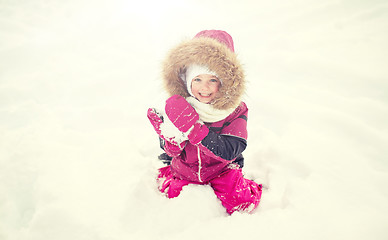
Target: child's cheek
[[217, 95]]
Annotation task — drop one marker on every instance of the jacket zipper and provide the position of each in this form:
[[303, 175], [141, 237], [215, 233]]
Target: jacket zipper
[[199, 165]]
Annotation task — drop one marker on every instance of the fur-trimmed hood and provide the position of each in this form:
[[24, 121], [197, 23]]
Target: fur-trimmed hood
[[218, 57]]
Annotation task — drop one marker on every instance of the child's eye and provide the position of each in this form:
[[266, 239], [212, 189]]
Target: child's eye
[[213, 80], [197, 79]]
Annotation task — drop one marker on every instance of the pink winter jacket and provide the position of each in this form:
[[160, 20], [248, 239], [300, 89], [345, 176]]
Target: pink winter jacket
[[216, 152]]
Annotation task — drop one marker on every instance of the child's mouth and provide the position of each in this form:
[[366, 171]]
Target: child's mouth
[[205, 94]]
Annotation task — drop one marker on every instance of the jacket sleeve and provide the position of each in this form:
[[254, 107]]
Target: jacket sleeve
[[224, 146], [232, 139], [171, 149]]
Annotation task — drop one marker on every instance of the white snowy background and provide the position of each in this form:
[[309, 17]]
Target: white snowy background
[[78, 156]]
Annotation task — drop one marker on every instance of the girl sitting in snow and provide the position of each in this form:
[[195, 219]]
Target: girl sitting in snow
[[205, 82]]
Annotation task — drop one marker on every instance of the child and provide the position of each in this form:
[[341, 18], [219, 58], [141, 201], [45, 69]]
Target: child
[[208, 119]]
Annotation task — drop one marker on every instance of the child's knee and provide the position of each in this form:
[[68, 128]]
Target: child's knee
[[237, 193], [168, 184]]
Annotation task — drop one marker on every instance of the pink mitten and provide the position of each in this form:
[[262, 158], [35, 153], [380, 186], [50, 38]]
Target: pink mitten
[[175, 145], [155, 119], [174, 149], [197, 133], [181, 113]]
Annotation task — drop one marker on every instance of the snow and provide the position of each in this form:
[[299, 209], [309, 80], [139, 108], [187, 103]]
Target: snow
[[78, 156], [169, 131]]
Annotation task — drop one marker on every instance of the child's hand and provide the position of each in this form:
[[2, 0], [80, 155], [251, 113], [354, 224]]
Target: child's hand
[[185, 118], [155, 118], [165, 129], [181, 113]]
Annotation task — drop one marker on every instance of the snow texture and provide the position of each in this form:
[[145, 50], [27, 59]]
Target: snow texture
[[78, 156], [168, 129]]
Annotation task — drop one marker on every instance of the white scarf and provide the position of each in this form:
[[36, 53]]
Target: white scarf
[[207, 113]]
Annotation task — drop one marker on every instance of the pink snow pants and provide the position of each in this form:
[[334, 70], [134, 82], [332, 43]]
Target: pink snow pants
[[235, 192]]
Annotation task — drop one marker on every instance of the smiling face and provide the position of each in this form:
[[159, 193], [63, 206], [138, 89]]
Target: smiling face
[[205, 87]]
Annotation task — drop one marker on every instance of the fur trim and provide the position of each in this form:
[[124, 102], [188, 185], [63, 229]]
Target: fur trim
[[219, 59]]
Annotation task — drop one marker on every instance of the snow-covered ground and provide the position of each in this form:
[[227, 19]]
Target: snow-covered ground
[[78, 155]]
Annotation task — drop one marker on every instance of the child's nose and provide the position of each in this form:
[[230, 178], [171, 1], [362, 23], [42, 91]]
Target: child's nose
[[205, 86]]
